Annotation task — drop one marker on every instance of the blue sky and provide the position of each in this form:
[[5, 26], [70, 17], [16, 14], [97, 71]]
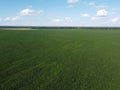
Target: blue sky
[[60, 12]]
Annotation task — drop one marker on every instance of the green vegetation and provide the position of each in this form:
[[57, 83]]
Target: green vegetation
[[60, 59]]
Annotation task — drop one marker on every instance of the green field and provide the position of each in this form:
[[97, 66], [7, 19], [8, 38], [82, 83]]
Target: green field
[[60, 59]]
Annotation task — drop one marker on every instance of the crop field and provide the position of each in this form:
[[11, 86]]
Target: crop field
[[60, 59]]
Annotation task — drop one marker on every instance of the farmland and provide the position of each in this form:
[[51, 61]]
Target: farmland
[[60, 59]]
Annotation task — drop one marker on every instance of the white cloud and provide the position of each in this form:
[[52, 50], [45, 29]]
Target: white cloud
[[57, 20], [115, 20], [20, 16], [11, 18], [28, 12], [102, 13], [72, 1], [92, 4], [85, 15], [63, 20]]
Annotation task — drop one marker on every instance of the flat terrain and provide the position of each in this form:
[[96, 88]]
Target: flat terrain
[[60, 59], [17, 28]]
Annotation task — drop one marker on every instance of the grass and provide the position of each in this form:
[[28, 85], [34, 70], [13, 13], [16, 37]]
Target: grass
[[62, 59]]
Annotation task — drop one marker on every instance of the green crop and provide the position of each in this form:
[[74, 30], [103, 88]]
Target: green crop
[[60, 59]]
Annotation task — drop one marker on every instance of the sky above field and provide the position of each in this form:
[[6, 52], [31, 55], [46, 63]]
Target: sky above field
[[60, 12]]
